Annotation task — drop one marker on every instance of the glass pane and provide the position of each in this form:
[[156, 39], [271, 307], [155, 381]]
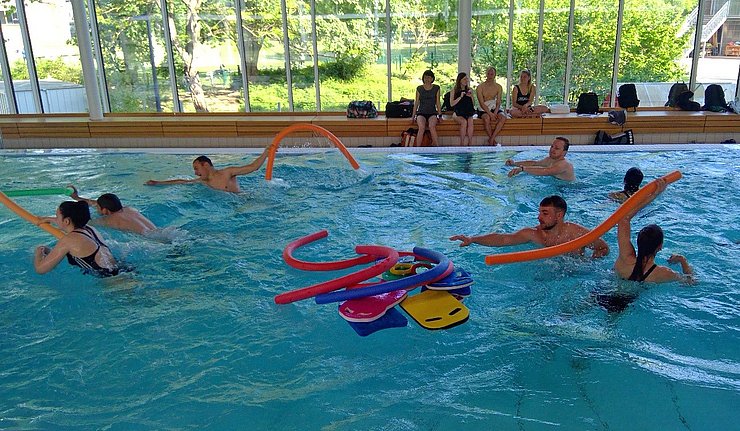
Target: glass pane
[[655, 52], [205, 52], [352, 48], [132, 42], [424, 37], [301, 55], [490, 41], [594, 37], [57, 59], [265, 52], [554, 51]]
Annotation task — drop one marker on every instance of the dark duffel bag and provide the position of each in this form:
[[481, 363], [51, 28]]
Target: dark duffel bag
[[401, 109]]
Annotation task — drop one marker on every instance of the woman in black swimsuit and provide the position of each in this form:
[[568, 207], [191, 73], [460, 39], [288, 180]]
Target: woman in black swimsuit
[[82, 245], [632, 182], [462, 102], [641, 266]]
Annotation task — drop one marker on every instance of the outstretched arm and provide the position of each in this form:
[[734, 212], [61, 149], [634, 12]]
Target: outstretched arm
[[497, 239], [246, 169], [168, 182], [45, 259], [624, 227], [534, 169], [76, 196]]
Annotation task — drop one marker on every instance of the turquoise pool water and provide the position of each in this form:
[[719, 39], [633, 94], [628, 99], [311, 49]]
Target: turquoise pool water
[[193, 340]]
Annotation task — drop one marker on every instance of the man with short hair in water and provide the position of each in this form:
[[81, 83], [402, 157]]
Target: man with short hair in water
[[219, 179], [641, 266], [489, 99], [553, 165], [114, 215], [552, 230]]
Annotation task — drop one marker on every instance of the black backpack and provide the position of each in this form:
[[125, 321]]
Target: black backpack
[[684, 101], [446, 102], [714, 99], [676, 90], [627, 96], [401, 109], [588, 103]]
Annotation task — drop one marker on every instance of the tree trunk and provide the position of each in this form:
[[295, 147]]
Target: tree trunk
[[192, 29]]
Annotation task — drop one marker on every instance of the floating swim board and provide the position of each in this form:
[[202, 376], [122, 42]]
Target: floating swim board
[[459, 279], [588, 238], [297, 127], [30, 217], [391, 319], [370, 308], [434, 309], [443, 268], [390, 257]]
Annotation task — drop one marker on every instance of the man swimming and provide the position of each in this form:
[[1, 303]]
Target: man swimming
[[114, 215], [219, 179], [552, 230], [553, 165]]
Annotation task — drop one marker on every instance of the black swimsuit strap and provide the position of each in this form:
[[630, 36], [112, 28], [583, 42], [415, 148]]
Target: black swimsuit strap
[[647, 274]]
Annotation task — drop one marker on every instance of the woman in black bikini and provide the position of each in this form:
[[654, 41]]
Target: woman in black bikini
[[641, 266], [462, 101], [632, 182], [81, 245]]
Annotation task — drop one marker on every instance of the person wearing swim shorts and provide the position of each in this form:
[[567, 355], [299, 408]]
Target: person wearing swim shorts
[[489, 99], [220, 179], [82, 245], [640, 266], [552, 230], [632, 180], [462, 102], [114, 215], [553, 165]]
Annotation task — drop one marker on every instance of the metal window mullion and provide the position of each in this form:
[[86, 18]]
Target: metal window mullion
[[510, 55], [7, 78], [33, 78], [238, 8], [388, 59], [315, 45], [98, 56], [617, 45], [286, 44], [84, 45], [176, 105], [540, 45], [697, 45], [569, 54]]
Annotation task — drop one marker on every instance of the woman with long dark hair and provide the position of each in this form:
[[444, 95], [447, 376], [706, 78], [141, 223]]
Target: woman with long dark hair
[[82, 245], [640, 265], [462, 102], [632, 182]]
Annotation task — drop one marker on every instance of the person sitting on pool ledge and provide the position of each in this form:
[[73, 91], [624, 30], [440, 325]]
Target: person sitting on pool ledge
[[641, 266], [82, 245], [114, 215], [553, 165], [219, 179], [552, 230], [632, 180]]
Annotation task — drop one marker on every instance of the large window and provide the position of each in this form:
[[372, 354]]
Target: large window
[[264, 54], [551, 83], [490, 41], [134, 55]]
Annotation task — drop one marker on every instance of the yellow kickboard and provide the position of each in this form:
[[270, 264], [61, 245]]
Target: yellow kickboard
[[435, 309]]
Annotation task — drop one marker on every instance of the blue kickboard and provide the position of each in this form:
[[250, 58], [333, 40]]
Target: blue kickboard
[[391, 319]]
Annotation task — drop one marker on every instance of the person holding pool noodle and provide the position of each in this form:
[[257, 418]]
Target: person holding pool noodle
[[81, 244]]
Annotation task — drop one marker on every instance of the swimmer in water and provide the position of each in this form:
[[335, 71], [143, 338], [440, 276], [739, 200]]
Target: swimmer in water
[[114, 215], [219, 179], [632, 181], [553, 165], [552, 230], [82, 244]]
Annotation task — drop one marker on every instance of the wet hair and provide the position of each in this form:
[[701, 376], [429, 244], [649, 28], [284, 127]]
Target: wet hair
[[110, 202], [458, 83], [77, 212], [566, 142], [428, 73], [555, 201], [203, 159], [649, 240], [632, 180]]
